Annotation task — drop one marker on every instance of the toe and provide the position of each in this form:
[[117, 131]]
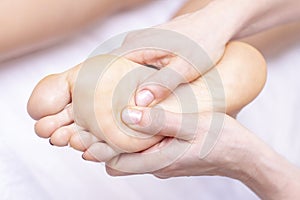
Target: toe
[[99, 152], [52, 94], [49, 97], [46, 126], [82, 140], [61, 136]]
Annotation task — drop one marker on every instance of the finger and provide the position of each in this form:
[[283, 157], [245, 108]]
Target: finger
[[156, 121], [82, 140], [100, 152], [171, 149], [114, 172], [205, 127], [138, 46], [157, 157], [158, 86], [154, 57]]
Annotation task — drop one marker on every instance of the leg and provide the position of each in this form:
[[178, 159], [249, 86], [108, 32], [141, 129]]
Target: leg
[[30, 22]]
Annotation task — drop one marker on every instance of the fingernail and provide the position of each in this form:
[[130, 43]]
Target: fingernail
[[131, 116], [51, 142], [144, 98]]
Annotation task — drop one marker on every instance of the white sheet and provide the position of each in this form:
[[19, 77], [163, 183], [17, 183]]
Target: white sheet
[[32, 169]]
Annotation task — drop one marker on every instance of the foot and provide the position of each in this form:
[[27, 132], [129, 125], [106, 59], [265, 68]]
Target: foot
[[53, 103]]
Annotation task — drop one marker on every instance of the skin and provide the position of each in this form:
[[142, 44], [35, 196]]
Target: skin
[[203, 22], [49, 100], [31, 23], [238, 154], [44, 22], [246, 157], [280, 181]]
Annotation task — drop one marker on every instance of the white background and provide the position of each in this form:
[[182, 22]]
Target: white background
[[32, 169]]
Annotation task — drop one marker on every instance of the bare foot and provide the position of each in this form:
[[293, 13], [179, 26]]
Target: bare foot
[[242, 71]]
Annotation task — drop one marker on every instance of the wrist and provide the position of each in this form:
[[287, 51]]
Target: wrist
[[251, 161], [230, 17], [218, 22], [268, 174], [227, 17]]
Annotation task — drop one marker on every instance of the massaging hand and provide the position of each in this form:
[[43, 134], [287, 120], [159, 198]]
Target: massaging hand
[[168, 47], [185, 151], [210, 25], [193, 145]]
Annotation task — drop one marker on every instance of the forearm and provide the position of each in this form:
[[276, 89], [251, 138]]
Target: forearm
[[271, 176], [258, 166], [242, 18], [274, 13]]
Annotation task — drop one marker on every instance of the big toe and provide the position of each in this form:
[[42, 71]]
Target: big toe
[[51, 95]]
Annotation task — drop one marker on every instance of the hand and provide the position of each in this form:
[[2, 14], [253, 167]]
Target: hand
[[163, 47], [211, 25], [234, 152], [193, 145]]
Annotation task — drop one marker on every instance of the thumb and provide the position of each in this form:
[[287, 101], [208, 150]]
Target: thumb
[[190, 127], [158, 86], [156, 121]]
